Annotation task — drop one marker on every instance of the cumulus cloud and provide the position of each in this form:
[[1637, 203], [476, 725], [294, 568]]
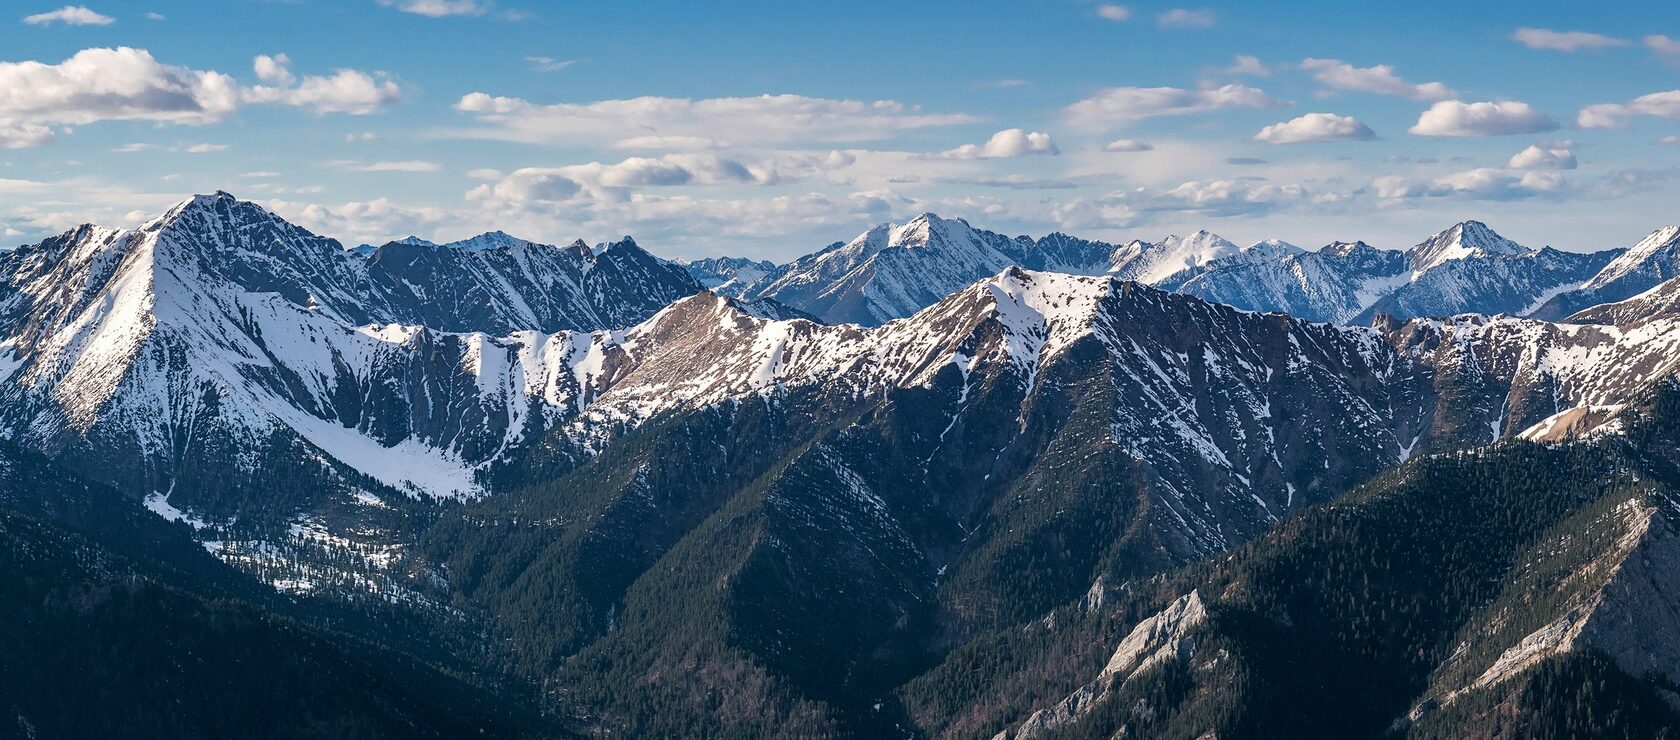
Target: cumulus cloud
[[1005, 144], [438, 8], [760, 120], [373, 221], [1549, 157], [1127, 145], [1565, 41], [23, 134], [1217, 198], [1245, 64], [1315, 127], [1380, 79], [1114, 12], [113, 84], [126, 84], [344, 91], [273, 69], [619, 182], [1485, 183], [70, 15], [1117, 106], [1184, 18], [95, 85], [1501, 118], [1664, 104]]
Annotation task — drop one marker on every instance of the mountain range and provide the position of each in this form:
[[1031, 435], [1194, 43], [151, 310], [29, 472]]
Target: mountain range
[[891, 271], [933, 481]]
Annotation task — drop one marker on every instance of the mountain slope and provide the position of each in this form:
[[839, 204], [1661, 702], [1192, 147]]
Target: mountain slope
[[498, 284], [117, 623], [1655, 259], [1333, 284], [869, 496], [217, 350], [1661, 301], [1462, 595]]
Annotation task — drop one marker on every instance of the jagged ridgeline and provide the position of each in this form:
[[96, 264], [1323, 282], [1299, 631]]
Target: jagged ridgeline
[[1037, 486]]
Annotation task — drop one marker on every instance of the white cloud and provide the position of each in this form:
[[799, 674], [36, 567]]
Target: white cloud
[[1005, 144], [348, 91], [1565, 41], [1315, 127], [581, 185], [1120, 105], [484, 173], [1218, 198], [155, 16], [1245, 64], [352, 138], [1550, 157], [1114, 12], [1662, 44], [438, 8], [1457, 118], [662, 143], [1379, 79], [1485, 183], [1182, 18], [1664, 104], [758, 120], [70, 15], [1127, 145], [189, 149], [1670, 139], [412, 165], [549, 64], [126, 84], [1003, 84], [373, 221], [273, 69], [22, 134], [95, 85]]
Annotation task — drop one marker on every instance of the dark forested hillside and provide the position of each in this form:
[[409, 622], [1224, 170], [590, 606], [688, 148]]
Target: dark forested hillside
[[115, 623]]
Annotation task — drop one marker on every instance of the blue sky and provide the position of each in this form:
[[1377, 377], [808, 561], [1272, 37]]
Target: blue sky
[[770, 129]]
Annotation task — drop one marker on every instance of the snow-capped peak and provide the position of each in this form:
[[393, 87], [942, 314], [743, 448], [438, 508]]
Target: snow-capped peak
[[489, 240], [928, 229], [1343, 249], [1463, 240], [1161, 260], [1663, 241], [1272, 248], [414, 241]]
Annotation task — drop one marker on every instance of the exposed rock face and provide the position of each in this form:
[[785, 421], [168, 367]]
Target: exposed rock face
[[498, 284], [1164, 637]]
